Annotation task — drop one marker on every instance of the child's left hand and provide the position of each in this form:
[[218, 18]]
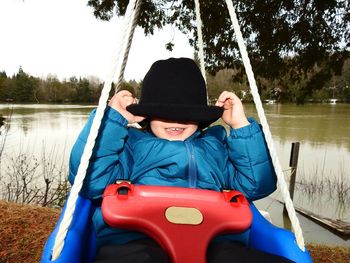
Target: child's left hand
[[233, 115]]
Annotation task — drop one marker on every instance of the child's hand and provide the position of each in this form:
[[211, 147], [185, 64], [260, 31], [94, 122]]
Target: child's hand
[[233, 110], [120, 101]]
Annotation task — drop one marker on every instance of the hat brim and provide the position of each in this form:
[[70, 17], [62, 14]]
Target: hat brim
[[204, 115]]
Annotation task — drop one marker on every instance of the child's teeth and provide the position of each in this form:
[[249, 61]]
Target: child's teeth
[[175, 129]]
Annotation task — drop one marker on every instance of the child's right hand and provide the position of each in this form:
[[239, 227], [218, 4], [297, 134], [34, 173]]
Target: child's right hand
[[120, 101]]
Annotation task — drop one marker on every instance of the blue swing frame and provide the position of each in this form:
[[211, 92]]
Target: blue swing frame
[[80, 243]]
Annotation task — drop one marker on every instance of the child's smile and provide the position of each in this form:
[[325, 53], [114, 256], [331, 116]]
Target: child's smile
[[174, 131], [171, 130]]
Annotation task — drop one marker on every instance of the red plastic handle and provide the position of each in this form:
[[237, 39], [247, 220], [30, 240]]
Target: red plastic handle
[[182, 220]]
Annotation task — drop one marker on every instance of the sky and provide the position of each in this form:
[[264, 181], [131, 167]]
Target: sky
[[63, 38]]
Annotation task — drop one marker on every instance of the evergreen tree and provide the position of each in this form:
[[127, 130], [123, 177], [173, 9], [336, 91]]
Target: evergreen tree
[[82, 91], [3, 86], [24, 86]]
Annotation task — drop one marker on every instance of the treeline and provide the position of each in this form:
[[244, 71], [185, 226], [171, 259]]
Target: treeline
[[293, 87], [23, 88]]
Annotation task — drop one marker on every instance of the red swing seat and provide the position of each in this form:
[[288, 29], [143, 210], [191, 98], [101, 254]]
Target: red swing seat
[[80, 243], [177, 218]]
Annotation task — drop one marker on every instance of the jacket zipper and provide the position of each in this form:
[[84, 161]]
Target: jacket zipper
[[192, 169]]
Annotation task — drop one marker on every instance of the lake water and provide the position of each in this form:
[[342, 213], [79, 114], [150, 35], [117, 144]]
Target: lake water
[[323, 131]]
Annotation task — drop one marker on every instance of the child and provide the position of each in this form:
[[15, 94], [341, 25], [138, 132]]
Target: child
[[173, 150]]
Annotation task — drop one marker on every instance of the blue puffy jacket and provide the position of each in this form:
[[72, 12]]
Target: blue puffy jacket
[[208, 159]]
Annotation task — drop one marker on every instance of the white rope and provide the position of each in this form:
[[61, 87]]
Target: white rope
[[130, 30], [252, 83], [117, 67], [200, 41]]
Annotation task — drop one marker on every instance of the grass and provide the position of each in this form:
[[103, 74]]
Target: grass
[[23, 231], [334, 254], [25, 228]]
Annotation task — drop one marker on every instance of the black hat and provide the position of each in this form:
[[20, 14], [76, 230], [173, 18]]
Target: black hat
[[174, 89]]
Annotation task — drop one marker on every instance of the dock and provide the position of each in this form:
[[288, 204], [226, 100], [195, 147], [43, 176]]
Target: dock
[[335, 225], [316, 229]]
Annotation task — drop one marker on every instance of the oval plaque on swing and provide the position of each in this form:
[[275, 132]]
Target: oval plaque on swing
[[183, 215]]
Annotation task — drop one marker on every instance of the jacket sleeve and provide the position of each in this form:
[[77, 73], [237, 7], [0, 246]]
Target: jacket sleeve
[[110, 158], [251, 169]]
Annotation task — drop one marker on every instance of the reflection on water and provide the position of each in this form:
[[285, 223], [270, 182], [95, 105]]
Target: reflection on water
[[323, 131], [32, 126], [317, 124]]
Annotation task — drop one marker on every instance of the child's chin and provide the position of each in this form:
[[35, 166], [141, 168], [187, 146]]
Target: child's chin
[[174, 138], [179, 137]]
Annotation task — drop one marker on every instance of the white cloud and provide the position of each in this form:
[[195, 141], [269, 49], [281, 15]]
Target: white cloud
[[63, 37]]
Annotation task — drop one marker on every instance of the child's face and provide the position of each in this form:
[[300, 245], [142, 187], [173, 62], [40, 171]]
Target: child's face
[[172, 130]]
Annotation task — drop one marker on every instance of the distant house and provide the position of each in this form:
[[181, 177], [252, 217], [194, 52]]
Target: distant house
[[333, 101], [270, 101]]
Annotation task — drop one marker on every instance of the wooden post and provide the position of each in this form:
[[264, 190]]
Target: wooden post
[[293, 163]]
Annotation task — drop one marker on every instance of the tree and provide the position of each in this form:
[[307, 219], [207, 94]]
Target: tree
[[340, 85], [24, 86], [3, 91], [52, 88], [312, 31], [83, 91]]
